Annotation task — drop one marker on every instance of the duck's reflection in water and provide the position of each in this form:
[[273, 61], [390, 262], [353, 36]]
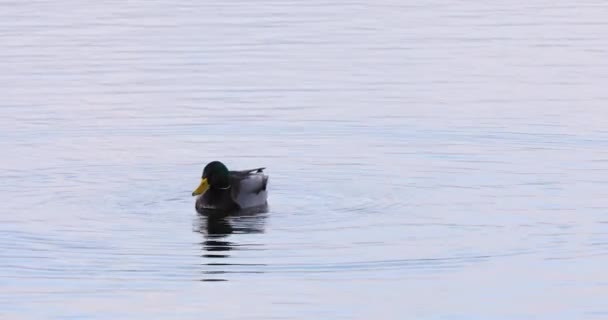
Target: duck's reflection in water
[[216, 246]]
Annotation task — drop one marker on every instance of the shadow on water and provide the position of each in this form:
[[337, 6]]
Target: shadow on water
[[220, 235]]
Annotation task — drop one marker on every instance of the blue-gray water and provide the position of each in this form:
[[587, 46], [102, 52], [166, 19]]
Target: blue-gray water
[[427, 160]]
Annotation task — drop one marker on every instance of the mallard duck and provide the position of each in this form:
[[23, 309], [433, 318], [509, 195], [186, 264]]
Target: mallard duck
[[228, 191]]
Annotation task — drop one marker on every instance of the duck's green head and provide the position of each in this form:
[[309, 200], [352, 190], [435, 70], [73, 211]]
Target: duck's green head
[[215, 175]]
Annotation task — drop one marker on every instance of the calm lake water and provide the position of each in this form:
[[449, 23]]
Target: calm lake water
[[436, 160]]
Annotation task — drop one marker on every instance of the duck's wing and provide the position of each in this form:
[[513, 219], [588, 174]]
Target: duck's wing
[[247, 172], [248, 187], [248, 182]]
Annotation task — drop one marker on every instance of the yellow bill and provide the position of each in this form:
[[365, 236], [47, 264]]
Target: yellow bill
[[201, 188]]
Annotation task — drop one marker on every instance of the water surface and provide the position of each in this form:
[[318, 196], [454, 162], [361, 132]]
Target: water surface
[[437, 160]]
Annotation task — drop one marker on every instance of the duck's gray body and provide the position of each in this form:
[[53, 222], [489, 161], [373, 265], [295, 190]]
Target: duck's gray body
[[248, 189]]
